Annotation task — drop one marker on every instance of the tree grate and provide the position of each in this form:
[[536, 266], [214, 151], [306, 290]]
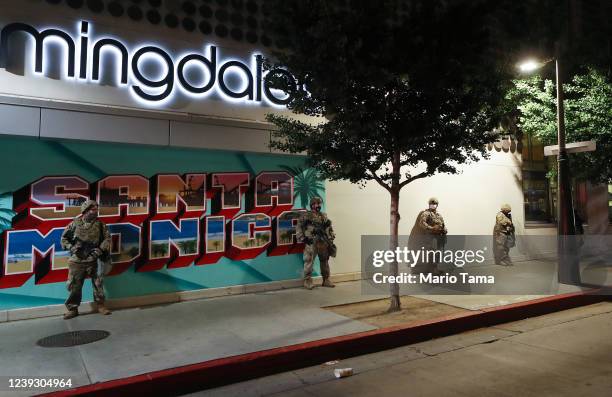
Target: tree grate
[[73, 338]]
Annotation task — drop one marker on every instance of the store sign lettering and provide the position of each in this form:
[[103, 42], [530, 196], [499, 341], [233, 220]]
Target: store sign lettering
[[84, 55], [169, 220]]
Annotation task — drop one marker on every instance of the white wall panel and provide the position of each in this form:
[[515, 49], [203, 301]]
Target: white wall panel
[[218, 137], [98, 127], [469, 202], [19, 120]]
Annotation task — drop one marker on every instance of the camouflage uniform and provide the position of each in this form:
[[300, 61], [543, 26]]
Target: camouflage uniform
[[86, 241], [503, 236], [315, 229], [428, 233]]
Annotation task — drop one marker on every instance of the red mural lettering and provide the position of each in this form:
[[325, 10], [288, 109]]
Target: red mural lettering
[[284, 230], [49, 202], [273, 193], [228, 189], [179, 195], [167, 221], [123, 198]]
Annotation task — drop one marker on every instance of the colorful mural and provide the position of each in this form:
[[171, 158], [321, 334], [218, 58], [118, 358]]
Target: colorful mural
[[233, 212]]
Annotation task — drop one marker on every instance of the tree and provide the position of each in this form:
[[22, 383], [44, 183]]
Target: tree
[[406, 89], [588, 114]]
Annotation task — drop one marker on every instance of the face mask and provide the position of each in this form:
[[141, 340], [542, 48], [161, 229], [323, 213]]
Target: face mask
[[433, 206], [90, 215]]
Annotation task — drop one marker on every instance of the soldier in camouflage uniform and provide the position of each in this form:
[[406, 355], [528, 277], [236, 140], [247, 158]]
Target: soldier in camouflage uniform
[[428, 233], [87, 238], [503, 236], [315, 230]]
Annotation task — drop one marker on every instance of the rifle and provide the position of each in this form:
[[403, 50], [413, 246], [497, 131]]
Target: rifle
[[321, 235], [83, 248]]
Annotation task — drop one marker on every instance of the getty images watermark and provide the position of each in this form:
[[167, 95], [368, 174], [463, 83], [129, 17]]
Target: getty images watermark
[[466, 264], [426, 261]]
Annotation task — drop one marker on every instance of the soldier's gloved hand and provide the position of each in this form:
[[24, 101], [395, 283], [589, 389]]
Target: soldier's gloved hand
[[308, 240], [75, 247], [96, 253]]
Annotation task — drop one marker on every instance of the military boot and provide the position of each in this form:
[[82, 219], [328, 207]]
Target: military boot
[[308, 283], [328, 283], [103, 310], [71, 314]]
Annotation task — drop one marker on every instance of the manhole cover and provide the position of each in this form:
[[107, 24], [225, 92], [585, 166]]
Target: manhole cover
[[73, 338]]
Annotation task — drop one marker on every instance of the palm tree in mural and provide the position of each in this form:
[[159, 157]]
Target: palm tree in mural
[[6, 210], [306, 183]]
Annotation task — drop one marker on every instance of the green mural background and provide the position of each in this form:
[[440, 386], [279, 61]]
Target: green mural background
[[25, 159]]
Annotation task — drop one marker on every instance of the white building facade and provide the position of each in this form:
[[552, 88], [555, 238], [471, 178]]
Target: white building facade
[[88, 93]]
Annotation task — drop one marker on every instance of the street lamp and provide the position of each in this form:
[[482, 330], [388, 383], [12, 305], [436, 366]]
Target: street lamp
[[568, 265], [530, 65]]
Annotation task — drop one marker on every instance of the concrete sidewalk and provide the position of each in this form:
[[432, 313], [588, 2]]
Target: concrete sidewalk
[[153, 338], [158, 337], [568, 353]]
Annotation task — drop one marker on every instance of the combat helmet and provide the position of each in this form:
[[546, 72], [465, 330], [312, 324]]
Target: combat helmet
[[315, 199], [506, 208], [433, 200], [87, 204]]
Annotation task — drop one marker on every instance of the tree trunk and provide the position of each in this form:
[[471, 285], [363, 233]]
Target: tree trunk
[[395, 304]]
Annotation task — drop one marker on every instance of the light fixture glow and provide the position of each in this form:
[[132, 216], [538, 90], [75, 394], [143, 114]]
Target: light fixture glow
[[529, 66]]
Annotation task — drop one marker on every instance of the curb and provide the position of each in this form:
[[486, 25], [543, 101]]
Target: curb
[[223, 371]]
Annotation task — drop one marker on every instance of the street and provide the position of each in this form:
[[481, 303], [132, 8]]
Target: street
[[567, 353]]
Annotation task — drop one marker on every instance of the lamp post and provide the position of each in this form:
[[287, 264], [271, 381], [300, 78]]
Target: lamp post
[[566, 244]]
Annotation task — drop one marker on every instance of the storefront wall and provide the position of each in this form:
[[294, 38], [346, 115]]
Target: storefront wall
[[52, 125], [468, 201], [32, 278]]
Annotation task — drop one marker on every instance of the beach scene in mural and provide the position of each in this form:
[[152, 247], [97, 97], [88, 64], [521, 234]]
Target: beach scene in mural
[[22, 246], [185, 238], [215, 234], [126, 241], [244, 233], [192, 192], [117, 190], [63, 195]]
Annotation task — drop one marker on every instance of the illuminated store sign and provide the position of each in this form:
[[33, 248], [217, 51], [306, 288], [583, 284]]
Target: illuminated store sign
[[84, 55], [169, 220]]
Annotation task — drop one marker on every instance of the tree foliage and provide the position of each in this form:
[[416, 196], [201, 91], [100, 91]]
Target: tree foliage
[[588, 116], [403, 89], [424, 88]]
